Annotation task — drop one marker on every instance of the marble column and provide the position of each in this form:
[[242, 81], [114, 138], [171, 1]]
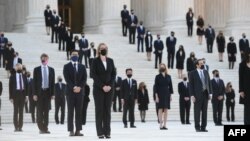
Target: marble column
[[216, 12], [91, 16], [21, 11], [139, 8], [2, 16], [239, 18], [35, 19], [199, 8], [175, 16], [153, 15], [110, 17]]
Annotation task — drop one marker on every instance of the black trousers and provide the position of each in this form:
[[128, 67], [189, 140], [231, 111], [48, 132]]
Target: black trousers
[[200, 110], [129, 106], [85, 55], [210, 43], [2, 59], [33, 105], [246, 112], [217, 111], [124, 28], [140, 43], [84, 112], [43, 110], [158, 57], [54, 34], [62, 42], [75, 108], [171, 55], [117, 96], [230, 107], [59, 104], [132, 31], [190, 29], [184, 110], [103, 102], [90, 62], [18, 102], [26, 107]]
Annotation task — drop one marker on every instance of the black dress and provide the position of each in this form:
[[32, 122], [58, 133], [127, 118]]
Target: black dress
[[200, 29], [231, 49], [149, 43], [180, 57], [164, 89], [143, 100], [221, 44], [9, 57]]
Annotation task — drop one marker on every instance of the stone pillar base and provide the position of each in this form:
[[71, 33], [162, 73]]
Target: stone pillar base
[[35, 25]]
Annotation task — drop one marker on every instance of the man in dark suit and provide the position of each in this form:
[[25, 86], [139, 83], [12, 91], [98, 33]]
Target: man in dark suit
[[140, 36], [210, 36], [124, 16], [1, 90], [190, 22], [117, 94], [83, 45], [18, 86], [47, 16], [170, 44], [184, 101], [129, 98], [3, 45], [60, 93], [43, 86], [244, 46], [200, 90], [91, 53], [55, 19], [75, 76], [158, 45], [33, 104], [132, 24], [69, 42], [218, 88]]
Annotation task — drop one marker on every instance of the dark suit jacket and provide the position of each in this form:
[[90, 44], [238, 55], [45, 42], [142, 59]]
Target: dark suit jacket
[[195, 84], [140, 31], [47, 14], [135, 21], [3, 40], [171, 44], [218, 89], [158, 46], [183, 90], [243, 45], [124, 15], [129, 93], [189, 19], [60, 92], [37, 81], [62, 32], [210, 35], [89, 52], [179, 57], [1, 88], [13, 86], [86, 93], [147, 43], [191, 64], [54, 20], [68, 72], [101, 76], [83, 44], [118, 83]]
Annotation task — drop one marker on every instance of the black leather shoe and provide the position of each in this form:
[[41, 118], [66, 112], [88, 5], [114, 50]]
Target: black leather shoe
[[47, 132], [204, 130], [132, 126], [188, 123], [107, 136], [165, 128], [125, 126], [20, 130], [101, 137], [198, 130], [71, 134], [78, 133]]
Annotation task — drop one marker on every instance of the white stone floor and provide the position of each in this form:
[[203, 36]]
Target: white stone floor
[[148, 131]]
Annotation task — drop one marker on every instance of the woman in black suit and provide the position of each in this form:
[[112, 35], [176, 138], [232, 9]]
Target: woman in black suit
[[200, 28], [163, 89], [103, 73], [149, 45], [180, 57], [221, 44], [9, 57], [191, 62], [231, 51], [143, 100], [230, 101]]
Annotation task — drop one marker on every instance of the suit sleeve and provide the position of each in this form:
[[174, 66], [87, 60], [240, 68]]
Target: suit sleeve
[[35, 82], [156, 85], [11, 90], [171, 90], [84, 77], [210, 89], [136, 92], [66, 74], [191, 84], [147, 98], [52, 86], [122, 90], [179, 88], [223, 88], [1, 88], [26, 86], [113, 74], [93, 74]]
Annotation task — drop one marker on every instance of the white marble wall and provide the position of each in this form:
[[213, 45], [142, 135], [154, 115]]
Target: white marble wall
[[139, 8], [91, 16], [2, 15]]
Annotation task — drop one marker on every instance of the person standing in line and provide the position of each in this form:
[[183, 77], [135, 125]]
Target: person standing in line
[[103, 72], [60, 93], [84, 47], [200, 29], [47, 16], [180, 58], [210, 36], [218, 89], [86, 101], [230, 102], [117, 94], [69, 42], [190, 22], [1, 90], [55, 19], [243, 45], [149, 45], [9, 57], [170, 44], [3, 44], [158, 46], [140, 36], [62, 34], [143, 100], [221, 45], [33, 104], [91, 53], [184, 100], [191, 63], [231, 51], [124, 16], [75, 76], [43, 86], [164, 90], [200, 90], [18, 86], [132, 24]]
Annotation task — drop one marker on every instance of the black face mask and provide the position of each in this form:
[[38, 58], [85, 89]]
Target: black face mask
[[162, 70], [129, 75], [19, 71], [192, 55], [28, 76], [103, 52], [244, 36], [217, 75], [202, 67], [60, 80], [185, 79]]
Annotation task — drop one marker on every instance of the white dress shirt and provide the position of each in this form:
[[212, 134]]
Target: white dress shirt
[[105, 64], [18, 81], [76, 65], [92, 53], [47, 70], [15, 61]]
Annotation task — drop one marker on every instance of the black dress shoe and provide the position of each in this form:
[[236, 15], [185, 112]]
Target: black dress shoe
[[71, 134], [165, 128], [132, 126], [188, 123], [198, 130], [107, 136], [125, 126], [101, 137], [20, 130], [204, 130], [16, 130], [47, 132], [78, 133]]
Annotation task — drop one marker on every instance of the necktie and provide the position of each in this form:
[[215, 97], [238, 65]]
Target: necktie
[[75, 73], [20, 82], [129, 83], [203, 80], [45, 78]]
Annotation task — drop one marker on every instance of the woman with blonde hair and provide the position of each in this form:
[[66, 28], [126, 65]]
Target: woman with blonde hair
[[230, 101], [143, 100], [163, 91]]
